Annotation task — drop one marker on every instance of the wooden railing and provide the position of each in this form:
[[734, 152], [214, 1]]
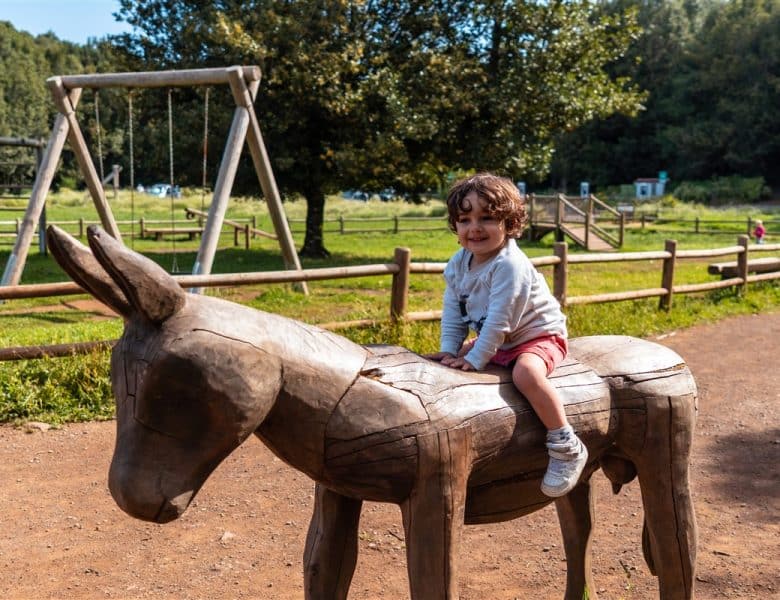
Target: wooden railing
[[388, 224], [401, 268], [706, 226], [143, 228], [576, 217]]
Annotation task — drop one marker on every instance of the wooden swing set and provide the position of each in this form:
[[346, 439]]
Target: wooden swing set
[[66, 92]]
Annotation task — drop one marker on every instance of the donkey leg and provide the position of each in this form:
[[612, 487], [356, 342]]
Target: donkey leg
[[670, 520], [575, 515], [331, 546], [434, 513]]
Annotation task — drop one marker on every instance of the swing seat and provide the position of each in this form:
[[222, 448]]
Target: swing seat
[[158, 232]]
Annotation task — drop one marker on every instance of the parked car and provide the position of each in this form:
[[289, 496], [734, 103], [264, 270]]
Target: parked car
[[388, 194], [163, 190], [355, 195]]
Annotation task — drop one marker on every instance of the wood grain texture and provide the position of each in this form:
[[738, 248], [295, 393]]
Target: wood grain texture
[[194, 376]]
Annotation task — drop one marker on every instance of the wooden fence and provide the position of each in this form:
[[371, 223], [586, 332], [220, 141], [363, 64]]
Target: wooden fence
[[245, 227], [705, 226], [389, 224], [401, 268]]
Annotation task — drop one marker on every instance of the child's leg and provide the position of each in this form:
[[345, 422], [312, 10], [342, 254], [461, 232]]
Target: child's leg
[[568, 454], [530, 377]]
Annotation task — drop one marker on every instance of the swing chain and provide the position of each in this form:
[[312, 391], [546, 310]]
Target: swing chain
[[132, 166], [174, 264], [205, 149]]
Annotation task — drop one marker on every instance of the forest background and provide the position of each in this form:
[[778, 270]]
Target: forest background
[[408, 95]]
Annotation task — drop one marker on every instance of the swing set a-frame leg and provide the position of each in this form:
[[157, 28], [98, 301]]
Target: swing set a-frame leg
[[65, 127], [244, 96], [244, 128], [15, 265], [79, 147]]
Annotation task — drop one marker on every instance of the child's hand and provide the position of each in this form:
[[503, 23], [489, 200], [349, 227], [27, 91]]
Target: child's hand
[[439, 356], [459, 363], [448, 360]]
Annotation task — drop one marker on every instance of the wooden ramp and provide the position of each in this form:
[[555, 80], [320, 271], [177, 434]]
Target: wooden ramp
[[595, 242], [577, 218]]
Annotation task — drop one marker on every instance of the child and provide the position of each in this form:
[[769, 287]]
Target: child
[[494, 289], [759, 231]]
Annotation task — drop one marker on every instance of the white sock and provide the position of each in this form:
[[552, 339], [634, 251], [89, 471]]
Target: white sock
[[561, 434]]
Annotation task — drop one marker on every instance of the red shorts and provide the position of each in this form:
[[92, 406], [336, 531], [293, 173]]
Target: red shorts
[[552, 349]]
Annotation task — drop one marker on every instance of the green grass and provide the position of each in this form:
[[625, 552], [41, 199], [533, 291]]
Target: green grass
[[77, 388]]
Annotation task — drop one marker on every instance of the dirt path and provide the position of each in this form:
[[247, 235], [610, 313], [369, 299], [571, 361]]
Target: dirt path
[[61, 535]]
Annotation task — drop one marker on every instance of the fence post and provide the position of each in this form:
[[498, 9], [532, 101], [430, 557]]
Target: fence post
[[115, 180], [254, 225], [400, 292], [81, 227], [561, 272], [749, 225], [246, 236], [395, 223], [667, 276], [742, 262], [697, 223], [341, 224], [622, 227], [531, 215]]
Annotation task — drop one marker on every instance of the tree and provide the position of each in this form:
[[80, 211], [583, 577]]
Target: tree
[[398, 93], [710, 70], [26, 107], [498, 81], [619, 148], [728, 86]]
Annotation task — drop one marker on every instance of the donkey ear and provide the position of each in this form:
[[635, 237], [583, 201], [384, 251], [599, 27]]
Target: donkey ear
[[78, 262], [151, 291]]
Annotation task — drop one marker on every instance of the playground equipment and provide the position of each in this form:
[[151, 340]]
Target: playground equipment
[[66, 91], [194, 376], [575, 218]]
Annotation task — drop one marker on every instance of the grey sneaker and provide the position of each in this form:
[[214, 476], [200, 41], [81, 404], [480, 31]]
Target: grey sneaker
[[567, 459]]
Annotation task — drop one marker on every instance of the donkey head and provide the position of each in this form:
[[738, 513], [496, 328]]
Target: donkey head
[[189, 375]]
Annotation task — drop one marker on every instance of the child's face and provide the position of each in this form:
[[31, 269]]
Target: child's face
[[478, 231]]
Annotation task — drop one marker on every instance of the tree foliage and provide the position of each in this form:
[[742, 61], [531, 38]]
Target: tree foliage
[[712, 73], [398, 94], [26, 107]]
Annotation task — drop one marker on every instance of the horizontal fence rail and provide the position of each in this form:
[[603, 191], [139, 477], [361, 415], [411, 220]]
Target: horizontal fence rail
[[193, 225], [390, 224], [402, 267], [704, 226]]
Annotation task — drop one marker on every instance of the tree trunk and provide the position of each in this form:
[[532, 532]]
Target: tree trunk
[[313, 246]]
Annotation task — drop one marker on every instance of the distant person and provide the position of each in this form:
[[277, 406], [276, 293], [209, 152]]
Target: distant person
[[759, 232], [493, 289]]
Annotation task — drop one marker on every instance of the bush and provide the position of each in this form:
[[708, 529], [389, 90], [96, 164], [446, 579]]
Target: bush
[[56, 390], [724, 190]]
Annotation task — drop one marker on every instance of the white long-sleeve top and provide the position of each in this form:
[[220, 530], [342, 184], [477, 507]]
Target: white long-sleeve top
[[505, 300]]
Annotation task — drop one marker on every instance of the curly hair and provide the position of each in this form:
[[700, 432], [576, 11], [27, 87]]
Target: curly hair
[[500, 195]]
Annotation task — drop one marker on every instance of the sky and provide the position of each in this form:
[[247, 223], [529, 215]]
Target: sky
[[71, 21]]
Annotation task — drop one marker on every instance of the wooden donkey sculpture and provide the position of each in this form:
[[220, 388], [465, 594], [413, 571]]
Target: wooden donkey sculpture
[[194, 376]]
